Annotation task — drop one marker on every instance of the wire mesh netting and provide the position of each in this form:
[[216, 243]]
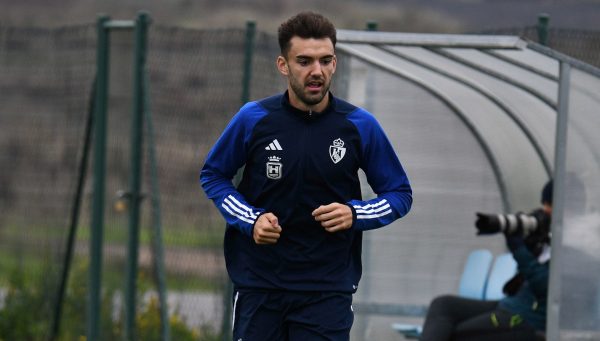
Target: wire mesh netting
[[581, 44], [45, 88], [195, 88]]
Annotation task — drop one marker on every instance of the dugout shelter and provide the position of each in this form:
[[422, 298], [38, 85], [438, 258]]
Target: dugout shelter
[[480, 124]]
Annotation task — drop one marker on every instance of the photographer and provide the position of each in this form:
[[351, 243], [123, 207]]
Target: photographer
[[521, 314]]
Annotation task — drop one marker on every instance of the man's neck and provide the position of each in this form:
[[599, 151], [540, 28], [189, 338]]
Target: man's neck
[[298, 104]]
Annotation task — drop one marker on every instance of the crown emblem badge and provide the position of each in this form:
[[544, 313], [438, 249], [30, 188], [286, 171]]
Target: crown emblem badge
[[274, 167], [337, 150]]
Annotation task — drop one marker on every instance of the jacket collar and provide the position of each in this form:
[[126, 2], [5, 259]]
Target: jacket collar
[[285, 101]]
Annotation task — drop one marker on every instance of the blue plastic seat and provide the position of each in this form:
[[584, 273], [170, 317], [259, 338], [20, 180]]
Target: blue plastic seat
[[475, 273], [503, 269]]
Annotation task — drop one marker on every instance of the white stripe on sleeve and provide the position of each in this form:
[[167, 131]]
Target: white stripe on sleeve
[[245, 213], [242, 218], [237, 295], [371, 216], [239, 210], [375, 210], [242, 206]]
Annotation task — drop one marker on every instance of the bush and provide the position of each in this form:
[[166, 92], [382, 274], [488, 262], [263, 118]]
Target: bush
[[25, 313], [28, 312]]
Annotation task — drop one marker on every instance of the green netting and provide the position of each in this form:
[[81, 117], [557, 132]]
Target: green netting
[[195, 87], [581, 44], [45, 87]]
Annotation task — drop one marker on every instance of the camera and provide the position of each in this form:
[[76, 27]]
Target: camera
[[524, 224]]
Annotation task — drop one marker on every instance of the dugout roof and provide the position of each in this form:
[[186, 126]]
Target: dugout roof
[[474, 120]]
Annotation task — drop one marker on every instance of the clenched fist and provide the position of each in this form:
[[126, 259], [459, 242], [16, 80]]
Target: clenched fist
[[334, 217], [266, 229]]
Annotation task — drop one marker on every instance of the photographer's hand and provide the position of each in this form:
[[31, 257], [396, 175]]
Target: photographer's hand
[[487, 223]]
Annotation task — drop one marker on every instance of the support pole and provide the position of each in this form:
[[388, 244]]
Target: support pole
[[135, 195], [248, 53], [560, 171], [75, 212], [97, 223], [542, 28]]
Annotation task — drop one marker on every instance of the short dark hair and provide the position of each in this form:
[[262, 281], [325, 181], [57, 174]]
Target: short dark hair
[[547, 193], [305, 25]]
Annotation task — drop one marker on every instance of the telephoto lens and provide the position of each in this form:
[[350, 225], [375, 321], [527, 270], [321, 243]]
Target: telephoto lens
[[515, 223], [519, 223]]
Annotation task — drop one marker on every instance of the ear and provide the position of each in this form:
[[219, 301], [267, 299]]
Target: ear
[[282, 66], [334, 61]]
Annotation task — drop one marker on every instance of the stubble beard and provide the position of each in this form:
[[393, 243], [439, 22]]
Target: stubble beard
[[302, 95]]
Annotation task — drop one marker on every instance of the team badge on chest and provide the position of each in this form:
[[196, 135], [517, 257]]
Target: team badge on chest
[[274, 167], [337, 150]]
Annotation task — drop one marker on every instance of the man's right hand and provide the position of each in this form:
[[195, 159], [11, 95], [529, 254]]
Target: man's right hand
[[266, 229]]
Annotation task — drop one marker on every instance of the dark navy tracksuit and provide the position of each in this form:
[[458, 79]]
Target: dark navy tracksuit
[[296, 161]]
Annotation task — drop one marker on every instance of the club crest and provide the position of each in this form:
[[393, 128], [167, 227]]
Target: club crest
[[274, 167], [337, 150]]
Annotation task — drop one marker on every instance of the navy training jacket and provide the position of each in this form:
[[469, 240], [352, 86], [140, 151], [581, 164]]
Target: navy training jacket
[[295, 162]]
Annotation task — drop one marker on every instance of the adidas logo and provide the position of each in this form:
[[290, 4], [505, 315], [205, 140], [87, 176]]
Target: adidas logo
[[274, 146]]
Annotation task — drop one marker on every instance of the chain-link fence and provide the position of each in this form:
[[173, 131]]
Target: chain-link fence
[[46, 88], [581, 44]]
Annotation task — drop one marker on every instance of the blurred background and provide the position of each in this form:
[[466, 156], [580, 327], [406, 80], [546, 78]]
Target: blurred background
[[452, 16], [198, 71]]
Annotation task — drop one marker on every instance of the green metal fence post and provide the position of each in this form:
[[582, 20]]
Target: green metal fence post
[[248, 53], [97, 223], [372, 26], [135, 196], [542, 28]]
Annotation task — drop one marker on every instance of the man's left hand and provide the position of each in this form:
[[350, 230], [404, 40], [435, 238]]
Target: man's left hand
[[334, 217]]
